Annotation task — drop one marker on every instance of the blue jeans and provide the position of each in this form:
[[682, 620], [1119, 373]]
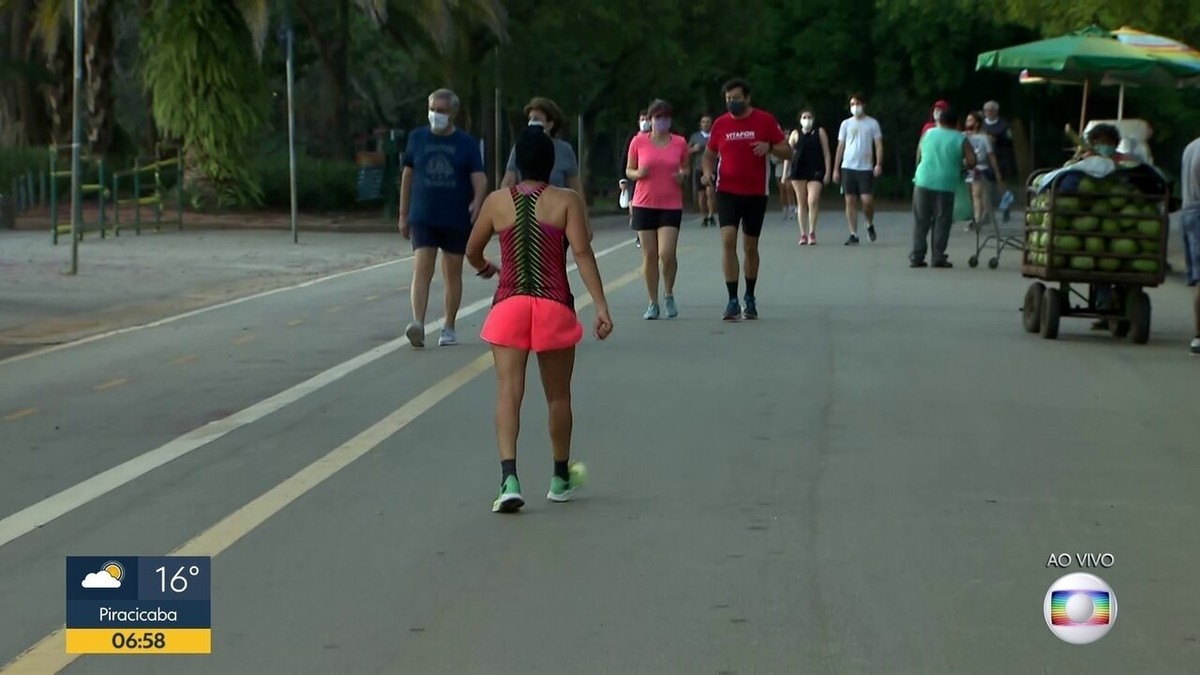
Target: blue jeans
[[1189, 223]]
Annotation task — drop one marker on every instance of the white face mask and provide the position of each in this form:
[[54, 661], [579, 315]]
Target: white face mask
[[536, 123], [644, 125], [438, 121], [806, 123], [856, 110]]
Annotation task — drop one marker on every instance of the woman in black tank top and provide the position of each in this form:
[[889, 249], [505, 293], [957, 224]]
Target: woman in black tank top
[[810, 168]]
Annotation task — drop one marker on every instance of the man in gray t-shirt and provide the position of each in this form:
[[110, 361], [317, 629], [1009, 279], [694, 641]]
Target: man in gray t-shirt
[[706, 196], [1189, 221]]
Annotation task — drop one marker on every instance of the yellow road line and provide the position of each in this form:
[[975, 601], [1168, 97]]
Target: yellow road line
[[18, 414], [111, 384], [244, 339], [371, 298], [295, 322], [334, 310], [184, 359], [49, 655]]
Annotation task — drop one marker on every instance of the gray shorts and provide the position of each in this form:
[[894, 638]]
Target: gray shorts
[[857, 183], [1189, 222]]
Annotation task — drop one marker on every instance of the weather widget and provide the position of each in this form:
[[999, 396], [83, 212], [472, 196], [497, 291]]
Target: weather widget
[[135, 605]]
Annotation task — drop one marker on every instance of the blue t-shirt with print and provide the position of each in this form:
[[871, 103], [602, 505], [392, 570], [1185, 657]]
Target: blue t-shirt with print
[[441, 183]]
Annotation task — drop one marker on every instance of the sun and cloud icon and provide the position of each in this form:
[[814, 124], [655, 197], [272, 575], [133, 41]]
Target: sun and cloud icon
[[109, 576]]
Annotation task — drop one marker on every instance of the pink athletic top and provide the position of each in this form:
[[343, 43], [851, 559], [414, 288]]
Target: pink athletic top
[[660, 188], [533, 254]]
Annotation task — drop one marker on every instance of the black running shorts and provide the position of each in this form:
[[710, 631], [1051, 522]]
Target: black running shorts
[[747, 211]]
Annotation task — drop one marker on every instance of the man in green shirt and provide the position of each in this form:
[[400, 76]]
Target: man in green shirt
[[942, 155]]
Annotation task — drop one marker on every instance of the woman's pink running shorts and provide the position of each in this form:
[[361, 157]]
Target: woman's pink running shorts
[[532, 324]]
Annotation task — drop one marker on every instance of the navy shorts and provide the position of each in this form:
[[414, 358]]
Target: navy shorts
[[1189, 222], [449, 239]]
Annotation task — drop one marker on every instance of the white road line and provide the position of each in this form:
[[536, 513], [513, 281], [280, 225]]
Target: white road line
[[57, 505], [49, 655], [202, 310]]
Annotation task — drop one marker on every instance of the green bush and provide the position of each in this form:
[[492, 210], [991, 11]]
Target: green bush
[[321, 184], [16, 161]]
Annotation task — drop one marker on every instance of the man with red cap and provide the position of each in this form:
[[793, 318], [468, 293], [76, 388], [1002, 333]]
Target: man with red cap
[[933, 116]]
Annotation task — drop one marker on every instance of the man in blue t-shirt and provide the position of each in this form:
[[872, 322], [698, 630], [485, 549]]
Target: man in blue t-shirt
[[441, 190]]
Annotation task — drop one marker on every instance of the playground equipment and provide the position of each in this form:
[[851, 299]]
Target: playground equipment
[[97, 188], [170, 159]]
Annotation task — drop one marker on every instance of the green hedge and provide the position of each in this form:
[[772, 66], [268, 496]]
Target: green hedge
[[16, 161], [321, 184]]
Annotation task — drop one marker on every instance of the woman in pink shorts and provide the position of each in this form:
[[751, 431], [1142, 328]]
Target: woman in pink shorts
[[533, 309]]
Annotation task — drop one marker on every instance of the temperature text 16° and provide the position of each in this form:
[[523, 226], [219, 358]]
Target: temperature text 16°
[[178, 582]]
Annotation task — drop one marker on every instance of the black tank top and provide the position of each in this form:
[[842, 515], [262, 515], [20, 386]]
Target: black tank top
[[808, 157]]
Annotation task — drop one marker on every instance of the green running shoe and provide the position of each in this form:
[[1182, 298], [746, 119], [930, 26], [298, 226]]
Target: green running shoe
[[510, 499], [562, 490]]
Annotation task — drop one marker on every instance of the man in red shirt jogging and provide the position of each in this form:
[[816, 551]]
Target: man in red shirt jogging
[[742, 138]]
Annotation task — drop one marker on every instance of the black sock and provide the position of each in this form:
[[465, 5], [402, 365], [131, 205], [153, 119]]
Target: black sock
[[731, 286], [750, 287], [561, 470], [508, 467]]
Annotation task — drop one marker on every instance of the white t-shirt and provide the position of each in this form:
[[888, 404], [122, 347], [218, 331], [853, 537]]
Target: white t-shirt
[[982, 145], [859, 136]]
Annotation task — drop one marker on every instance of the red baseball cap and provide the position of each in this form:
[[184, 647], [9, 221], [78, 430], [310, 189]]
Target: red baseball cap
[[941, 105]]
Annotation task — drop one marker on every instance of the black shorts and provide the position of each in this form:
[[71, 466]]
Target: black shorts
[[645, 220], [449, 239], [748, 211], [857, 183]]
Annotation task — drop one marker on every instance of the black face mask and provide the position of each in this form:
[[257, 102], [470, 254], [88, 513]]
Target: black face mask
[[736, 107]]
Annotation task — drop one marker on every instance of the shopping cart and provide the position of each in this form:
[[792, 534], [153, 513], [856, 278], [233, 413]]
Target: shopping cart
[[991, 231]]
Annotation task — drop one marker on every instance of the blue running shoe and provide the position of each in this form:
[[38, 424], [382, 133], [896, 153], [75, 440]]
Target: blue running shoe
[[733, 311], [672, 310], [751, 308]]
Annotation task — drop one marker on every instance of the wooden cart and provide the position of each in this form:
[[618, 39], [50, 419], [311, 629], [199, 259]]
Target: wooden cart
[[1107, 234]]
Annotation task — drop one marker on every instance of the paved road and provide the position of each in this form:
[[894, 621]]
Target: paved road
[[869, 479]]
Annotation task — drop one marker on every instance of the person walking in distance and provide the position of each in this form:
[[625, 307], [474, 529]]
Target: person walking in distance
[[1000, 132], [706, 198], [626, 186], [441, 189], [810, 168], [742, 138], [1190, 224], [942, 155], [858, 163], [658, 161], [533, 309]]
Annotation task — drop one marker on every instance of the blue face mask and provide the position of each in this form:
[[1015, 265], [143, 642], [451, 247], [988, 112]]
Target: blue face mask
[[1105, 150]]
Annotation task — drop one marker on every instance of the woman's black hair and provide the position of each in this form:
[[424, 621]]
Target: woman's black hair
[[948, 117], [535, 154], [1104, 132]]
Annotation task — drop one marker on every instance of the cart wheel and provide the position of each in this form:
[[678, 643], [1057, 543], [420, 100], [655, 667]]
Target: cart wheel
[[1052, 303], [973, 261], [1139, 318], [1118, 327], [1031, 314], [993, 263]]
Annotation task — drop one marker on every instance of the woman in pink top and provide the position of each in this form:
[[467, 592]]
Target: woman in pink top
[[658, 161]]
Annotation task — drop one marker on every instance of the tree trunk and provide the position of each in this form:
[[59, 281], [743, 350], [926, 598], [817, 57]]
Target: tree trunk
[[58, 93], [98, 63], [333, 49], [30, 111]]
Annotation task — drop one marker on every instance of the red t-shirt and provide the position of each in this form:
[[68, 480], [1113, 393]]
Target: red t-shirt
[[740, 171]]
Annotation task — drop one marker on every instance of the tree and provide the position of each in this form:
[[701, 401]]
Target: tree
[[208, 90]]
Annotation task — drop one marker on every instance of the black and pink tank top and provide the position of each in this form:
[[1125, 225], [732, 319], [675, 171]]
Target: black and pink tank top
[[533, 254]]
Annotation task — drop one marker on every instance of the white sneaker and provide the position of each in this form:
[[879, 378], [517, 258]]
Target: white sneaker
[[415, 332], [1195, 348], [447, 338]]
